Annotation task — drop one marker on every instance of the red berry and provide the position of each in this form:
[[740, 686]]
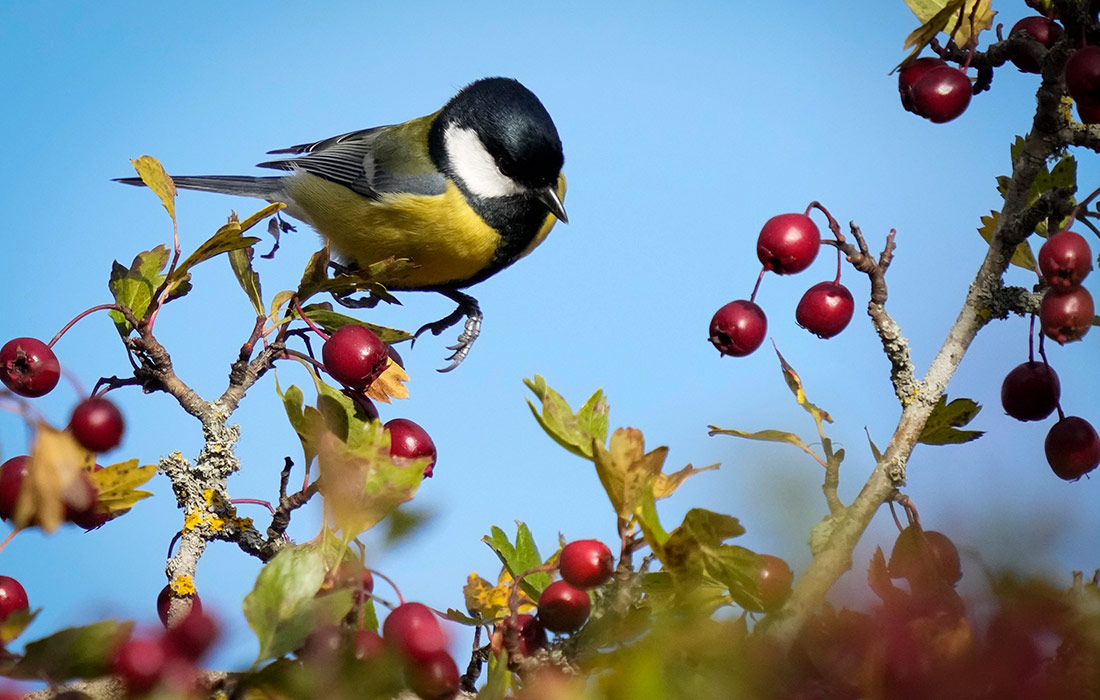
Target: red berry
[[354, 356], [412, 629], [85, 511], [164, 601], [409, 441], [1065, 259], [563, 608], [738, 328], [1031, 391], [323, 644], [193, 636], [773, 581], [28, 367], [586, 563], [910, 74], [13, 598], [922, 556], [825, 309], [788, 243], [97, 424], [530, 634], [434, 677], [1083, 75], [140, 662], [1066, 315], [1088, 111], [1073, 448], [11, 481], [1042, 30], [366, 644], [363, 403], [941, 94]]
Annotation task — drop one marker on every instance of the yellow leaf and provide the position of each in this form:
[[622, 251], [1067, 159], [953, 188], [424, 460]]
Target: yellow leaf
[[976, 17], [794, 382], [489, 601], [152, 174], [53, 480], [626, 471], [117, 485], [390, 384], [666, 484]]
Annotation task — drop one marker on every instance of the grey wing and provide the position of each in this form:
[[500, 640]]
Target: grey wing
[[352, 160]]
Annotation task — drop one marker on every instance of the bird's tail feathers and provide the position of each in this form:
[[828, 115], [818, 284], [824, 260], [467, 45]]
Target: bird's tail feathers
[[240, 185]]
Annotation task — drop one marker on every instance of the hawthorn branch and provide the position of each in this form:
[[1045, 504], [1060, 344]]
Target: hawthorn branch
[[894, 344], [1013, 226]]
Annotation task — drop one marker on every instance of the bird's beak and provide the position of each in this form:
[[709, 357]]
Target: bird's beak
[[549, 197]]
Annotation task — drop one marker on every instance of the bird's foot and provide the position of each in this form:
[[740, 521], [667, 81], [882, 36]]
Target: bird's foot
[[468, 309]]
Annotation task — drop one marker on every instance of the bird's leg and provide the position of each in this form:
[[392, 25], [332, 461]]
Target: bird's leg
[[468, 309]]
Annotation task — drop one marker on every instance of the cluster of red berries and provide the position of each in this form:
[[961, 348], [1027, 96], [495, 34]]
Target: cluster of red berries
[[1067, 309], [1032, 391], [28, 367], [564, 605], [939, 92], [354, 356], [413, 631], [166, 659], [81, 501], [787, 244], [932, 89]]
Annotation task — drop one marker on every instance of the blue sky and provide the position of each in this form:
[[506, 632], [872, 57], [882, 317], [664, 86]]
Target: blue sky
[[685, 127]]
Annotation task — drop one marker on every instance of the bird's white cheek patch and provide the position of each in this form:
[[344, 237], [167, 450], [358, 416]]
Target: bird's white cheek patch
[[474, 165]]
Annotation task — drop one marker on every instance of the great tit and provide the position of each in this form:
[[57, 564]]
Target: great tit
[[462, 193]]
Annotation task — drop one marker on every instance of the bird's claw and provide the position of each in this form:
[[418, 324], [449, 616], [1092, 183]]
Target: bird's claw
[[468, 309]]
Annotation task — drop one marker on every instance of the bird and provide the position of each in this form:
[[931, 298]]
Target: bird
[[462, 193]]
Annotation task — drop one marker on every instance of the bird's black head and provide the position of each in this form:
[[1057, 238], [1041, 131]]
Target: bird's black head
[[497, 139]]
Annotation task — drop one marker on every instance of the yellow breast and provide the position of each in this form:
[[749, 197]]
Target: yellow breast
[[441, 234]]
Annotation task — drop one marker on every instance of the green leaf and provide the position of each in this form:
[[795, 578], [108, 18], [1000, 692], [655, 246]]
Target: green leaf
[[241, 262], [301, 419], [75, 652], [519, 557], [134, 286], [498, 680], [330, 321], [225, 239], [646, 514], [738, 568], [692, 545], [283, 607], [942, 427], [371, 280], [360, 481], [575, 432]]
